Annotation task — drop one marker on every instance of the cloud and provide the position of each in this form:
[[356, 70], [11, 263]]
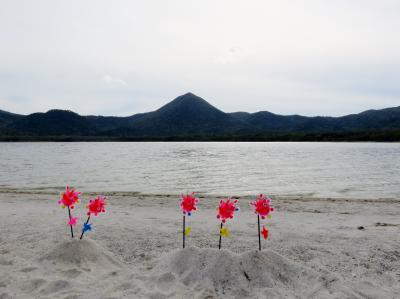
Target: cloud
[[233, 55], [114, 82]]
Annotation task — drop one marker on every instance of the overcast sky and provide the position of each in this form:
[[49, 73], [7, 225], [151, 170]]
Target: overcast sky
[[331, 57]]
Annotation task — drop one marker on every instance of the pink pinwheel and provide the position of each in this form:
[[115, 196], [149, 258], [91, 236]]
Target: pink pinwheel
[[73, 221], [262, 206], [188, 203], [227, 209]]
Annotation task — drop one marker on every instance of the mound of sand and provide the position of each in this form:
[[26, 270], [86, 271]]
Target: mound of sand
[[80, 253], [70, 269], [211, 272]]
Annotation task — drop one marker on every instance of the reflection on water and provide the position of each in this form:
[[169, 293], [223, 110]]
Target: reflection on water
[[366, 170]]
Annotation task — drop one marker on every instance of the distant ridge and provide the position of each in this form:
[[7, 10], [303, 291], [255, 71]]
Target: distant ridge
[[189, 117]]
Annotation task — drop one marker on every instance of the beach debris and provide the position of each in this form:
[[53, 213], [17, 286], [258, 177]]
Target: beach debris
[[263, 209], [226, 210], [385, 224], [188, 205], [95, 207], [69, 199]]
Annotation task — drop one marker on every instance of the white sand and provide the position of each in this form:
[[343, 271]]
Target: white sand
[[315, 250]]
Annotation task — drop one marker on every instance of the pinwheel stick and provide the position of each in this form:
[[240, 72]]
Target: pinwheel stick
[[83, 230], [259, 233], [220, 236], [69, 214], [183, 231]]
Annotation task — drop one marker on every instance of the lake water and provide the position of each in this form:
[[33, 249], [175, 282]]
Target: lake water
[[361, 170]]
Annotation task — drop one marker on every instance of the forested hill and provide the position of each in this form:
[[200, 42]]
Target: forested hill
[[189, 117]]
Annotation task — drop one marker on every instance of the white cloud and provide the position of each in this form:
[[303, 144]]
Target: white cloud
[[234, 54], [114, 82]]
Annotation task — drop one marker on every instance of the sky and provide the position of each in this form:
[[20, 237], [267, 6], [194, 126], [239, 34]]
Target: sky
[[97, 57]]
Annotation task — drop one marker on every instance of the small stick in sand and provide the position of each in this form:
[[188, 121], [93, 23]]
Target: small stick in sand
[[259, 233], [183, 231], [220, 236], [70, 223]]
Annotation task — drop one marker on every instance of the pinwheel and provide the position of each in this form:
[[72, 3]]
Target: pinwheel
[[226, 210], [264, 232], [72, 221], [95, 207], [188, 205], [262, 207], [68, 199]]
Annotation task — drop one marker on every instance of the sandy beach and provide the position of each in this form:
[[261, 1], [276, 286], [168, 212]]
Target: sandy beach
[[318, 248], [178, 114]]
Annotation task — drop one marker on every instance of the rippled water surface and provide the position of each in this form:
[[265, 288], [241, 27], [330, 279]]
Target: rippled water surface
[[362, 170]]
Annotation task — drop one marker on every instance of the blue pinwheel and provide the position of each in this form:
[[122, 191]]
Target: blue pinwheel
[[87, 227]]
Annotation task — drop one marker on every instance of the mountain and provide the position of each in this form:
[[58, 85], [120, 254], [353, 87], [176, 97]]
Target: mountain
[[8, 117], [53, 123], [186, 115], [385, 119], [189, 117], [267, 121]]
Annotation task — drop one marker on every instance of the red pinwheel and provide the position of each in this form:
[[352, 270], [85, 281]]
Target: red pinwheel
[[68, 199], [95, 207], [262, 207], [188, 205], [226, 210]]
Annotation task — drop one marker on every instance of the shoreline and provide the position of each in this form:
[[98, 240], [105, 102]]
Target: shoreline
[[298, 197]]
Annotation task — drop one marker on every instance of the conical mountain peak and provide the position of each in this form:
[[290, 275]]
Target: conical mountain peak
[[188, 102]]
